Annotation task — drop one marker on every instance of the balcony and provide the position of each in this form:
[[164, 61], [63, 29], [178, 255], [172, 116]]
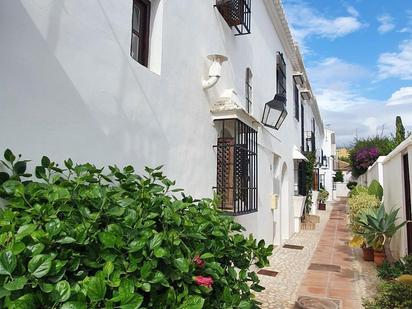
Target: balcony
[[236, 13]]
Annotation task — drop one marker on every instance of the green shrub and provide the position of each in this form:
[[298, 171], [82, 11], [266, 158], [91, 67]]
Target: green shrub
[[323, 195], [358, 189], [376, 189], [81, 238], [358, 203], [338, 177], [390, 271], [351, 185], [391, 295]]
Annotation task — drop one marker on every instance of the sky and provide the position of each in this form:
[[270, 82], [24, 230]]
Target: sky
[[358, 56]]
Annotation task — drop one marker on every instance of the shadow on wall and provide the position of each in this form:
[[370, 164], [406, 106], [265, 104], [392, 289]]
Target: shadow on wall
[[44, 112]]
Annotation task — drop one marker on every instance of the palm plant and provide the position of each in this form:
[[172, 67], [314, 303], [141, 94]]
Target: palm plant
[[379, 227]]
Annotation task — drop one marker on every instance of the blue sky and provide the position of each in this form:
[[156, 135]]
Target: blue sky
[[358, 55]]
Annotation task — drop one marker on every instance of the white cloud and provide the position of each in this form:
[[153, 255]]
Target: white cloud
[[352, 11], [386, 23], [400, 97], [307, 22], [348, 111], [337, 74], [397, 64]]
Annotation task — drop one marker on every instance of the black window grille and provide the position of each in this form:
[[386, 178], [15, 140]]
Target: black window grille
[[248, 90], [302, 127], [139, 50], [236, 13], [280, 74], [296, 97], [302, 178], [237, 167], [313, 141]]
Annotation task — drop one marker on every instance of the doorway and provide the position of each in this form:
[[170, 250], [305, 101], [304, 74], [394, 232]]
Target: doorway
[[408, 204]]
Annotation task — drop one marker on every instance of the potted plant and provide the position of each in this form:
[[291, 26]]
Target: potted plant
[[359, 241], [322, 197], [379, 227], [359, 202]]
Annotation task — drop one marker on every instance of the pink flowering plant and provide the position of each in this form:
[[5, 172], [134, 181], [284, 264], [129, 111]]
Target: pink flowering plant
[[77, 236], [365, 157]]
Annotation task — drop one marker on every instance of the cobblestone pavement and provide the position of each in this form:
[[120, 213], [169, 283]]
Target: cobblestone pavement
[[280, 291], [335, 271]]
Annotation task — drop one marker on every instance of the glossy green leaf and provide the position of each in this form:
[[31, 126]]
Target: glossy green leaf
[[9, 156], [96, 289], [74, 305], [156, 241], [8, 262], [25, 230], [40, 265], [17, 284], [18, 248], [108, 239], [193, 302], [182, 264], [13, 187], [61, 291]]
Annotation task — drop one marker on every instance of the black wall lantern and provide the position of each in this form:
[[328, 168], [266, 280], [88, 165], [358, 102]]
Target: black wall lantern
[[275, 112]]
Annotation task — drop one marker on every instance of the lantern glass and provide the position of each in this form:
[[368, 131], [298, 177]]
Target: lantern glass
[[275, 112]]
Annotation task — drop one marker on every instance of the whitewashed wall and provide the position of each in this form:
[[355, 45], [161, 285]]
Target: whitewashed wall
[[68, 88], [394, 191]]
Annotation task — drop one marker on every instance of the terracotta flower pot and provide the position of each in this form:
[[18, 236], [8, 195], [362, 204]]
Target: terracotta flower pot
[[378, 257], [368, 254], [321, 206]]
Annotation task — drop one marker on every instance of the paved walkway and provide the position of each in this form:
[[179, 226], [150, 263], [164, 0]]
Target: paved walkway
[[280, 291], [332, 272], [325, 268]]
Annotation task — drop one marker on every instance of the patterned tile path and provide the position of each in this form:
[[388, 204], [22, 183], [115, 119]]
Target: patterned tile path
[[325, 268], [355, 280], [281, 290]]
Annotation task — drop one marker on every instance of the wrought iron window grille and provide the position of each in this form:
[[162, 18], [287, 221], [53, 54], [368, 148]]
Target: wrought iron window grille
[[236, 13], [248, 90], [237, 167], [280, 74]]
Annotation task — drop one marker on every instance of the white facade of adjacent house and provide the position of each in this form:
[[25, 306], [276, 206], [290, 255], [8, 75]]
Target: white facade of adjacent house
[[327, 160], [70, 88]]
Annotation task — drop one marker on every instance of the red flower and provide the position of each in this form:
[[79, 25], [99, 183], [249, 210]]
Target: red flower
[[199, 262], [204, 281]]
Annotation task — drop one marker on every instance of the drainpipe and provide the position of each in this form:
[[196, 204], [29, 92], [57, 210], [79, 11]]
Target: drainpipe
[[214, 70]]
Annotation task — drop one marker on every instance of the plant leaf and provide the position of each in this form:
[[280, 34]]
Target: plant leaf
[[17, 284], [40, 265], [182, 264], [61, 291], [8, 262], [96, 289]]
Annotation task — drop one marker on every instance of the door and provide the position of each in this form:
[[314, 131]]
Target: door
[[408, 204]]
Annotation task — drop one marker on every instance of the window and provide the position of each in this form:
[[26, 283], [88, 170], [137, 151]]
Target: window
[[322, 181], [296, 95], [302, 126], [248, 90], [280, 74], [302, 178], [140, 31], [236, 150]]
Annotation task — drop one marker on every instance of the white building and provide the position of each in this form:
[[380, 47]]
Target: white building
[[328, 157], [120, 82]]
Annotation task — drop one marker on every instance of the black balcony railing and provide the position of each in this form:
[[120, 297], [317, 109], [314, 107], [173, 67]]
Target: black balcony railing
[[236, 13]]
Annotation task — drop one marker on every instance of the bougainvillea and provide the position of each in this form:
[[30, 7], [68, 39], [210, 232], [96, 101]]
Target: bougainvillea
[[366, 157]]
